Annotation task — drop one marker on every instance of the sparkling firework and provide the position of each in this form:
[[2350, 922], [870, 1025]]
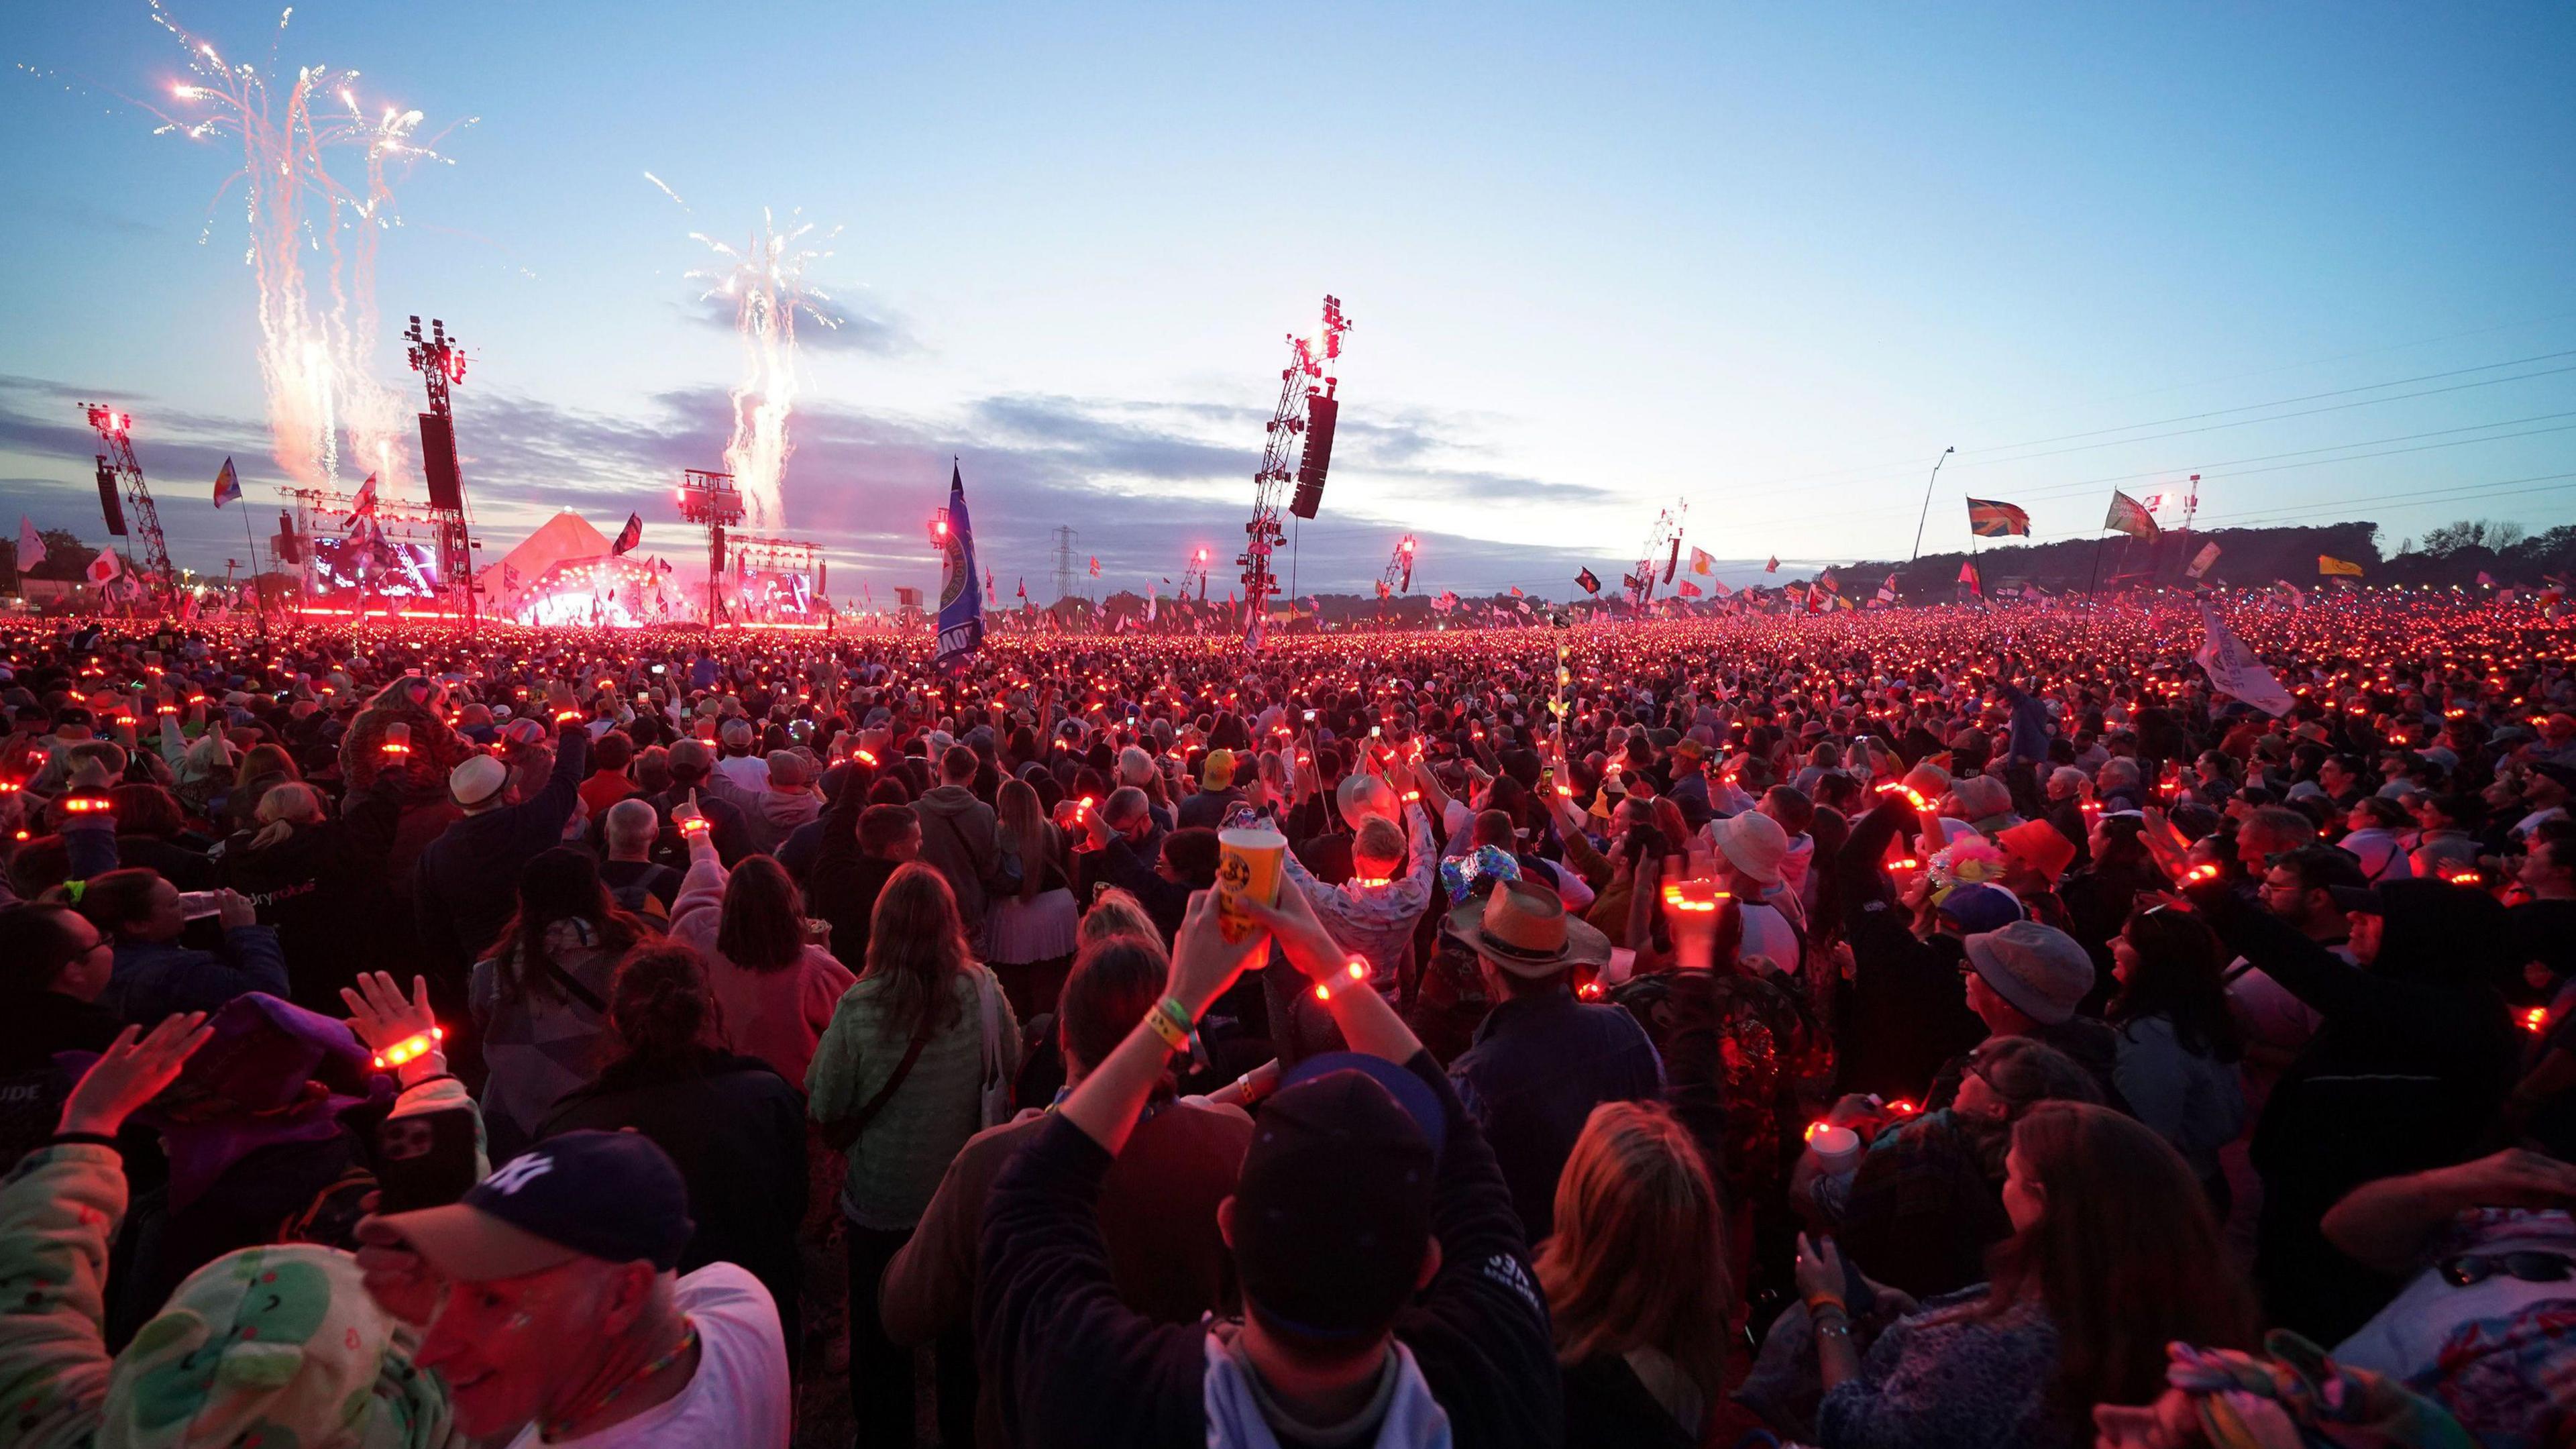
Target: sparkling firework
[[765, 282], [312, 245]]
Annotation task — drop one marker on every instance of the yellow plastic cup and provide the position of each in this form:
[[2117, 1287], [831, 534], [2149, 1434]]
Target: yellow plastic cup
[[1247, 869]]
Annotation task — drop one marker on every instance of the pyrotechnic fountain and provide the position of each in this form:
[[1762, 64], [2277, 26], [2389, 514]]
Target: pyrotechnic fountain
[[765, 282], [312, 246]]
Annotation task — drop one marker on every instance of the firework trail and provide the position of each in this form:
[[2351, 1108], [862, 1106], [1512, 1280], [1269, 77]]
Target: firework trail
[[312, 247], [765, 282]]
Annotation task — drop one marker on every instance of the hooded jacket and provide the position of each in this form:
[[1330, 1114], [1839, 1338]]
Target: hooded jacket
[[958, 838], [2405, 1070]]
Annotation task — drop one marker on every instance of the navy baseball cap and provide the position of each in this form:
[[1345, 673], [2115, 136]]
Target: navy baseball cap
[[614, 1196], [1332, 1211]]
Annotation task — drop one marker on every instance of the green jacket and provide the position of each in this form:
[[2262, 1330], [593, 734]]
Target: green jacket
[[896, 1164]]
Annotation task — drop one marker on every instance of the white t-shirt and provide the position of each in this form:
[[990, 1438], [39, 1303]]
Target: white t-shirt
[[745, 772], [738, 1397]]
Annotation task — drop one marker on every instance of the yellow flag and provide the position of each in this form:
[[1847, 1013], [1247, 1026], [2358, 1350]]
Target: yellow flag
[[2332, 567]]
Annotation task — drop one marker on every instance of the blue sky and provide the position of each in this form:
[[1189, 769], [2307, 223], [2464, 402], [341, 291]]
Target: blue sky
[[1767, 259]]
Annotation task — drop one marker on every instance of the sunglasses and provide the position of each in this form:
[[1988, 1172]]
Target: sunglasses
[[2469, 1268]]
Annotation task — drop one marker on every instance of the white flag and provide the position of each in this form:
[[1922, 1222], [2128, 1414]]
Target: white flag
[[105, 567], [2233, 669], [31, 545]]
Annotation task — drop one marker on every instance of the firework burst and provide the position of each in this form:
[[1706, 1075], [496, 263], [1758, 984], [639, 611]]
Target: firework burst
[[764, 281], [313, 235]]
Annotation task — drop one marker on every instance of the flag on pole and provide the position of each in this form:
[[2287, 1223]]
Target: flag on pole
[[1516, 591], [1701, 563], [2131, 517], [31, 545], [1687, 589], [227, 484], [2233, 670], [2335, 568], [366, 500], [1095, 565], [1773, 566], [961, 611], [2201, 561], [1153, 603], [1024, 590], [1968, 576], [1719, 588], [1672, 560], [991, 595], [1588, 582], [1990, 519], [104, 567], [629, 536], [1886, 591]]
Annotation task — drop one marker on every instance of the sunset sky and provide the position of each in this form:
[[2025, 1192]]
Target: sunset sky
[[1767, 259]]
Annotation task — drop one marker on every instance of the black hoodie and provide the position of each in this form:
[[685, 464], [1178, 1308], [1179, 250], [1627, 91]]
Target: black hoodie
[[2404, 1073]]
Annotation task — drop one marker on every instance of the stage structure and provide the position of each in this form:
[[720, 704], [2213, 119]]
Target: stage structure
[[1195, 571], [1661, 555], [776, 580], [441, 363], [710, 500], [1305, 410], [402, 556], [1397, 576], [118, 470]]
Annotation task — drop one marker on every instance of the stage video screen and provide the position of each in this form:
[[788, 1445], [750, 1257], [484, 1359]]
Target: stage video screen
[[383, 567]]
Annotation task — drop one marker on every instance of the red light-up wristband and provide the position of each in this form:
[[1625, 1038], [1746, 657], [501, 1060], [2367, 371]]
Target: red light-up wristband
[[699, 826], [410, 1049], [1358, 973]]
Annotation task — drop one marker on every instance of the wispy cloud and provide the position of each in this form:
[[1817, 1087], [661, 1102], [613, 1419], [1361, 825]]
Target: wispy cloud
[[1144, 484]]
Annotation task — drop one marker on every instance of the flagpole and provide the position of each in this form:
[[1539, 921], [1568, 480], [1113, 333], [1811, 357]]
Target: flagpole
[[257, 602], [1927, 501], [2095, 588]]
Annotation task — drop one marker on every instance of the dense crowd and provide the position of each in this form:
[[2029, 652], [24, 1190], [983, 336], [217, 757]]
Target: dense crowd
[[1951, 1027]]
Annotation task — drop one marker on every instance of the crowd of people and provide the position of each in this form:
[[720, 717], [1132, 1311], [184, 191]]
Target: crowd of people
[[1948, 1027]]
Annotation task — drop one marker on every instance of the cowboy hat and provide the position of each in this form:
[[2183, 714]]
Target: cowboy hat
[[1525, 931]]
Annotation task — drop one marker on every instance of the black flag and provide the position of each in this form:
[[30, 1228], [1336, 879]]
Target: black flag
[[629, 536], [1590, 584]]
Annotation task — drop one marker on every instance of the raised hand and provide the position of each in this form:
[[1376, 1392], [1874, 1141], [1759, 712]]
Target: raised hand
[[133, 1070], [380, 1015]]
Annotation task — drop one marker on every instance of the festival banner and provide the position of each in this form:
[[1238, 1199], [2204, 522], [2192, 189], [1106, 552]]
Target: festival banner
[[2234, 670], [2201, 561], [1990, 519], [2131, 517], [961, 609]]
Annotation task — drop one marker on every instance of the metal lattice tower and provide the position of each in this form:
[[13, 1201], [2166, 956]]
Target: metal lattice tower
[[1662, 551], [1194, 570], [115, 435], [1397, 576], [1297, 382], [1064, 570], [441, 363]]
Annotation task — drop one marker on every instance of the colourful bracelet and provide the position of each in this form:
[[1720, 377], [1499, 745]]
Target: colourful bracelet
[[1173, 1037], [1169, 1008]]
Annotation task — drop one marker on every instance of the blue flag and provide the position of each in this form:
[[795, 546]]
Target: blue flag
[[961, 604]]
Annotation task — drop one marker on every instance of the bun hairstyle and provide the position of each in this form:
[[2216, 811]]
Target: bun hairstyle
[[660, 1006]]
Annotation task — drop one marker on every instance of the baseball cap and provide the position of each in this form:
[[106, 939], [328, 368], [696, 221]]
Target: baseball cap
[[1217, 771], [614, 1196], [1975, 907], [1332, 1211], [2040, 969]]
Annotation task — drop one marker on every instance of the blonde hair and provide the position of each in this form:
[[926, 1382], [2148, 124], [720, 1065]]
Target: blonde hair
[[1638, 1258], [1378, 839], [1116, 913]]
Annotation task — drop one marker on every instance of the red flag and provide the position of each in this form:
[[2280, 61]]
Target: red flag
[[1968, 576], [1773, 566], [629, 536]]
